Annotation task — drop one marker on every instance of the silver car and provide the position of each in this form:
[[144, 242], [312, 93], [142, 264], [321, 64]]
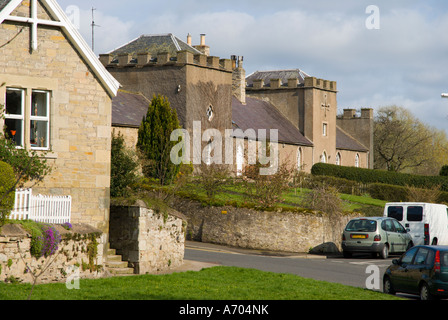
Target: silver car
[[376, 235]]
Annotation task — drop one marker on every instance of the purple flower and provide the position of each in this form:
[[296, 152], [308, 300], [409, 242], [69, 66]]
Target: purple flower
[[51, 239], [67, 226]]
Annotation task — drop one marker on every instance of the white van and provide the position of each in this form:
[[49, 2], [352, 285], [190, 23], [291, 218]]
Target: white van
[[427, 223]]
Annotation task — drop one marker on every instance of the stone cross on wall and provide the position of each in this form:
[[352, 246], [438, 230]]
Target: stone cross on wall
[[34, 21], [325, 105]]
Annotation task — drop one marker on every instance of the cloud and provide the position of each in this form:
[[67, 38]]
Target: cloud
[[403, 63]]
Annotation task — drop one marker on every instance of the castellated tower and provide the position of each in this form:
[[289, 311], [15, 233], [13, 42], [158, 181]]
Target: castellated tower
[[197, 85], [309, 103], [360, 126]]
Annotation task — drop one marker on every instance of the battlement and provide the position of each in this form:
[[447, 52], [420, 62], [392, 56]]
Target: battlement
[[275, 84], [349, 114], [165, 59], [320, 84]]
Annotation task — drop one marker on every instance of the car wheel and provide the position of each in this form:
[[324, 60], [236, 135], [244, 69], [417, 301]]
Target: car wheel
[[385, 252], [387, 286], [424, 292]]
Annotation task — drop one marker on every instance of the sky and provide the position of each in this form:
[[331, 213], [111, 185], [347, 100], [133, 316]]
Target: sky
[[394, 53]]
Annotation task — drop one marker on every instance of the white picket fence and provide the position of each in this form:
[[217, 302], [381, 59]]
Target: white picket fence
[[39, 208]]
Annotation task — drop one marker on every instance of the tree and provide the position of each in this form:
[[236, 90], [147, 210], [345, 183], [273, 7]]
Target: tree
[[123, 167], [154, 141], [404, 143], [28, 166]]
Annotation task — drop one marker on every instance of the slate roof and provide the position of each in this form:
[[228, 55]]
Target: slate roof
[[346, 142], [128, 109], [284, 75], [258, 114], [154, 44]]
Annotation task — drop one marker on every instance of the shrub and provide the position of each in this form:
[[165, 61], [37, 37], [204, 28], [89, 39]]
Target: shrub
[[7, 191], [444, 171], [388, 192], [266, 190], [212, 178], [123, 167], [380, 176]]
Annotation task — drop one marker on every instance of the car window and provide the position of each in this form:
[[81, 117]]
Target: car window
[[395, 212], [408, 256], [387, 225], [361, 225], [420, 258], [398, 227], [430, 257], [444, 259], [415, 213]]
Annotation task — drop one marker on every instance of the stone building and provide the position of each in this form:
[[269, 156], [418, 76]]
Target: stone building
[[310, 104], [197, 85], [57, 97], [218, 94]]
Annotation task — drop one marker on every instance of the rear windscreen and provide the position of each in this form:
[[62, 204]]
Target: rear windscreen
[[361, 226], [415, 214], [395, 212]]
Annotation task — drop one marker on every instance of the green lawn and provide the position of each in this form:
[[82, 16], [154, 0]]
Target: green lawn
[[218, 283], [234, 195]]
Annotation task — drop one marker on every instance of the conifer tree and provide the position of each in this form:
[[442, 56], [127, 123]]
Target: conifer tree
[[154, 141]]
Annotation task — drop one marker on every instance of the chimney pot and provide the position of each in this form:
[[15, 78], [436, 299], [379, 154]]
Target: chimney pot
[[189, 39]]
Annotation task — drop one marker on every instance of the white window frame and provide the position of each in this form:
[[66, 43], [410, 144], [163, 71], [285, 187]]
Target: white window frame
[[325, 129], [20, 117], [42, 119]]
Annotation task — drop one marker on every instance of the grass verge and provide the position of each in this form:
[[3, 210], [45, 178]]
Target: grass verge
[[218, 283]]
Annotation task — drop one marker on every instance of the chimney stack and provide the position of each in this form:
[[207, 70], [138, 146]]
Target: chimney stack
[[239, 79], [203, 47]]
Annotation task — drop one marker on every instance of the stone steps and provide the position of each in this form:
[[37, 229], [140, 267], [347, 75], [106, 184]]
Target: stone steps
[[115, 265]]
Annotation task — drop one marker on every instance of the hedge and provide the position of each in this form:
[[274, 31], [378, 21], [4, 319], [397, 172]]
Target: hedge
[[380, 176]]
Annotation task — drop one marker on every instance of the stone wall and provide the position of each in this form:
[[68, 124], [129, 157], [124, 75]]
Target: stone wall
[[71, 257], [152, 242], [251, 229]]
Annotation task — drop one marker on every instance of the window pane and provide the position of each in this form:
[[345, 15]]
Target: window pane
[[13, 130], [398, 227], [415, 213], [39, 104], [421, 256], [408, 256], [395, 212], [13, 102], [39, 134]]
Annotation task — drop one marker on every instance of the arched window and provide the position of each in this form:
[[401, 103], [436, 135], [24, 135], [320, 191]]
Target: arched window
[[338, 159], [299, 159], [239, 161], [357, 161], [323, 157]]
